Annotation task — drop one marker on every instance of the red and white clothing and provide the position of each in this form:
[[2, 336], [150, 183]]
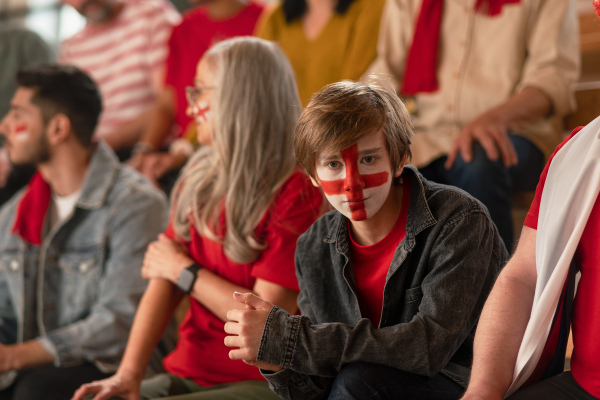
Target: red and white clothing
[[201, 354], [585, 361], [122, 57], [371, 263], [196, 33]]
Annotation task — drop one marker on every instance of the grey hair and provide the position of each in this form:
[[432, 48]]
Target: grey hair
[[255, 106]]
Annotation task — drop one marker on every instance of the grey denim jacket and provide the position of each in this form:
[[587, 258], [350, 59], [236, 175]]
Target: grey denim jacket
[[437, 283], [85, 277]]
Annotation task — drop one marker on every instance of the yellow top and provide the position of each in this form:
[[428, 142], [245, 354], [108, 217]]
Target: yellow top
[[344, 49]]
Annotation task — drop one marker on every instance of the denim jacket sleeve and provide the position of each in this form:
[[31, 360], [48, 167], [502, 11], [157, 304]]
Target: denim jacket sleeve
[[135, 221], [461, 263]]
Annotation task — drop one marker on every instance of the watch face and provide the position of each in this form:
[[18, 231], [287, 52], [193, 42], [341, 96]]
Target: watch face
[[186, 280]]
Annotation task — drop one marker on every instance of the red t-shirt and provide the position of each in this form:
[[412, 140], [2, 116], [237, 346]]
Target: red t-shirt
[[585, 360], [371, 263], [190, 39], [201, 354]]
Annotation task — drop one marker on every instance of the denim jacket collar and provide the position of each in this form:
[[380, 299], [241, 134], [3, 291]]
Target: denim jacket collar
[[419, 217], [102, 173]]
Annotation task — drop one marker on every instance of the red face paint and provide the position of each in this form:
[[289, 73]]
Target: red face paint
[[354, 183], [21, 132], [203, 111], [21, 128]]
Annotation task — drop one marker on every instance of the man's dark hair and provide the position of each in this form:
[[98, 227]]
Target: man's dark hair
[[295, 9], [68, 90]]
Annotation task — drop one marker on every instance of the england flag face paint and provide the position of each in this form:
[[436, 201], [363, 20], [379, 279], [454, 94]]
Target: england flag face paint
[[202, 113], [357, 180]]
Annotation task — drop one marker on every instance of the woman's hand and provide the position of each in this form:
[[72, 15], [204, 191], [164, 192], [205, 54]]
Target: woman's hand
[[165, 259], [156, 165], [122, 385]]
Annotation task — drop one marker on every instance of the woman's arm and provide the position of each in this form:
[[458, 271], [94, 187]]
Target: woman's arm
[[165, 259]]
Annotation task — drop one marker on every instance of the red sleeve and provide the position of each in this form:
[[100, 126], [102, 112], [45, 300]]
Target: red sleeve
[[297, 207], [531, 220]]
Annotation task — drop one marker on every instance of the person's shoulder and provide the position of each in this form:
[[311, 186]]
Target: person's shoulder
[[255, 8], [325, 227], [273, 14], [448, 203], [131, 182]]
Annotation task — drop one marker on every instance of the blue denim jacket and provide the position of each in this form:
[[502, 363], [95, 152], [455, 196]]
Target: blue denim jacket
[[437, 283], [85, 277]]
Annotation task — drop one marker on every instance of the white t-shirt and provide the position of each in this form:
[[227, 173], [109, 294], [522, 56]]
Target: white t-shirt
[[61, 207]]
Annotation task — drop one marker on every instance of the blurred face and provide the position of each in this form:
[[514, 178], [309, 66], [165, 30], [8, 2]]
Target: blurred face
[[199, 102], [23, 127], [96, 11], [357, 180]]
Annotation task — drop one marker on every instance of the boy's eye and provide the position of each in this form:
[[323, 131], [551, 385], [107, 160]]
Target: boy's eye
[[333, 164], [369, 159]]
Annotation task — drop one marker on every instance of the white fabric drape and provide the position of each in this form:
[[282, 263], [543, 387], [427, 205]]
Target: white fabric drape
[[568, 197]]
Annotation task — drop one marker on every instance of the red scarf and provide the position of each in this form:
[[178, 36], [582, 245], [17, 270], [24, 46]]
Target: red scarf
[[32, 209], [420, 73]]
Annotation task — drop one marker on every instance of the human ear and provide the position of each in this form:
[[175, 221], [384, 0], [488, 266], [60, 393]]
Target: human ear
[[58, 128], [398, 170], [315, 182]]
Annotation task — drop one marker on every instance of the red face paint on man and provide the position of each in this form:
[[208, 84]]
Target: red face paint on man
[[357, 180], [21, 132]]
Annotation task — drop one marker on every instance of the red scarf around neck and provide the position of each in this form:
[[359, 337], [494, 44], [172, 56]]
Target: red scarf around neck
[[31, 211], [420, 72]]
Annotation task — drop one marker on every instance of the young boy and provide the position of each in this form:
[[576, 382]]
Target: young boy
[[392, 282]]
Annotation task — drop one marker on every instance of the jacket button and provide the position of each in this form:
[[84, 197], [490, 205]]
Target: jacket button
[[84, 267], [14, 265]]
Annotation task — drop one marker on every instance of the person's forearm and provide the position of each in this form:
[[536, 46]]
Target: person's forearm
[[499, 336], [154, 313], [503, 322], [160, 120], [527, 106], [26, 355], [216, 293]]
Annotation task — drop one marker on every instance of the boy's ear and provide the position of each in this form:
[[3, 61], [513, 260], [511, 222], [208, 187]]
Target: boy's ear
[[315, 182], [398, 170]]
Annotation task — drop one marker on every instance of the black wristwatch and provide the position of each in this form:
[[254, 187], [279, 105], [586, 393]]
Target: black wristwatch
[[186, 280]]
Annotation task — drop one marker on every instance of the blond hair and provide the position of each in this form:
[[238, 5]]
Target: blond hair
[[255, 106], [341, 113]]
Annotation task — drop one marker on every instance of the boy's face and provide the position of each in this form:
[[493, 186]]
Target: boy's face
[[357, 180]]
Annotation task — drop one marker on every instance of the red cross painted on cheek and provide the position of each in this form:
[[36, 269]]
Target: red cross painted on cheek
[[202, 112], [354, 183]]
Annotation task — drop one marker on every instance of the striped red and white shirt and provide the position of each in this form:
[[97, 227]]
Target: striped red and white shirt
[[122, 56]]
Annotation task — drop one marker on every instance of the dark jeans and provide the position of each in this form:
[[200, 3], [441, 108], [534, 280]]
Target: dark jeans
[[362, 381], [560, 387], [51, 383], [492, 183]]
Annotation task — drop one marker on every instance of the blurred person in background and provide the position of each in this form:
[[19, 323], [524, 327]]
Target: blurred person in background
[[325, 40], [209, 22], [487, 82], [18, 48], [72, 242], [123, 47]]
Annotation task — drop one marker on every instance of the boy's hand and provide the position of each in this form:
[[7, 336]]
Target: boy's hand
[[247, 327]]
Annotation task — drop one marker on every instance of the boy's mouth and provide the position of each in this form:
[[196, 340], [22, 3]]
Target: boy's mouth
[[357, 204]]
